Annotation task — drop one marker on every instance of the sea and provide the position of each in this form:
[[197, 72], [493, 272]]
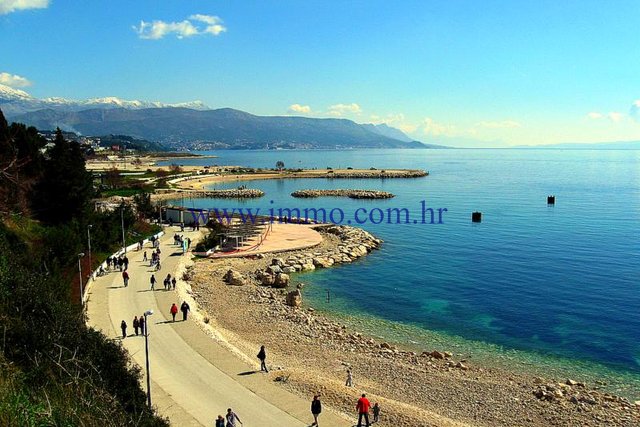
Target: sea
[[549, 290]]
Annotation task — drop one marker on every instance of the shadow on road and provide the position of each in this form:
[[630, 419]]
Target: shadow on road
[[247, 373]]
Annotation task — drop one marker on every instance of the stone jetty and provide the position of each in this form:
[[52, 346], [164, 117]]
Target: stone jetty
[[374, 173], [354, 243], [232, 193], [353, 194]]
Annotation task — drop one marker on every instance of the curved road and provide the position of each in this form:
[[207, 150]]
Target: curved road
[[194, 378]]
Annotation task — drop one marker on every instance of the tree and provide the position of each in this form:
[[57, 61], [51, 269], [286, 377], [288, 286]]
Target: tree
[[175, 168], [143, 205], [279, 165], [66, 188]]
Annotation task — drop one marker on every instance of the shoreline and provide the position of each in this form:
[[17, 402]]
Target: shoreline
[[315, 349], [203, 180]]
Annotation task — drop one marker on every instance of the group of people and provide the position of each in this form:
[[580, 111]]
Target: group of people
[[155, 258], [121, 262], [184, 308], [139, 326], [231, 419]]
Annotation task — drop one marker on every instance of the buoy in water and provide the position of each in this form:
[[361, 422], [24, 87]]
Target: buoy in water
[[476, 217], [551, 200]]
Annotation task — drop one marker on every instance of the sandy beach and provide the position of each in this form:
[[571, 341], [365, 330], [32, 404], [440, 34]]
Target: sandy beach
[[310, 353]]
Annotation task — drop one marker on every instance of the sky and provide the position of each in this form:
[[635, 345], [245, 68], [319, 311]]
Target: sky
[[463, 73]]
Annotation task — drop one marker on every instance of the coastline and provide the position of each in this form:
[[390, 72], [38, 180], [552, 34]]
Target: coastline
[[413, 388]]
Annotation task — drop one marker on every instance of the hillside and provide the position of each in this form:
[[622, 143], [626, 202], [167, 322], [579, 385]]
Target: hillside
[[226, 128]]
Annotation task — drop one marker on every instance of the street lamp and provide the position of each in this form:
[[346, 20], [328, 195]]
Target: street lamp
[[89, 227], [80, 255], [124, 245], [146, 351]]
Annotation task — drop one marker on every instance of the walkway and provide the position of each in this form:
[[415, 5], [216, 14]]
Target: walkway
[[194, 378]]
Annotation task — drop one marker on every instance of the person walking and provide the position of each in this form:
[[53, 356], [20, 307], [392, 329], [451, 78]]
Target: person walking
[[125, 261], [174, 311], [220, 421], [153, 282], [141, 323], [184, 308], [167, 282], [136, 324], [173, 282], [144, 257], [376, 412], [363, 410], [349, 382], [123, 326], [316, 408], [232, 418], [262, 355], [125, 278]]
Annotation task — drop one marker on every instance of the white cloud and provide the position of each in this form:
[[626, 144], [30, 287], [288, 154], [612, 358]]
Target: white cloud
[[594, 115], [299, 109], [8, 6], [214, 23], [504, 124], [193, 26], [615, 117], [13, 80], [338, 110], [431, 127]]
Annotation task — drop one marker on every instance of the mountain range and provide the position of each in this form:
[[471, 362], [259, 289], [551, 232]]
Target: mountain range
[[194, 125]]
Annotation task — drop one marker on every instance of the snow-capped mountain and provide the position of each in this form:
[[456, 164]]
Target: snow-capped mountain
[[15, 101]]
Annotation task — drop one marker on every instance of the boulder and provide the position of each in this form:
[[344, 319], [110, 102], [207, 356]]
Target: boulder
[[289, 270], [274, 269], [277, 261], [437, 355], [281, 281], [294, 298], [234, 278], [462, 366], [308, 267], [268, 279]]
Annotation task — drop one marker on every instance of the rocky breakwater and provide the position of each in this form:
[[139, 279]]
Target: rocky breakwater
[[232, 193], [373, 173], [353, 194], [354, 243]]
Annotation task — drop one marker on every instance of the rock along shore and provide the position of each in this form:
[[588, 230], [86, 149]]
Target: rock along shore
[[232, 193], [309, 353], [352, 194]]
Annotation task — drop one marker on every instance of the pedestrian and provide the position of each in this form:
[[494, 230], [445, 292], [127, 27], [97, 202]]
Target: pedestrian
[[167, 282], [349, 382], [174, 311], [184, 308], [142, 325], [220, 421], [123, 326], [158, 266], [363, 410], [182, 227], [125, 261], [125, 278], [262, 355], [376, 412], [173, 282], [144, 257], [109, 263], [153, 282], [136, 324], [232, 418], [316, 408]]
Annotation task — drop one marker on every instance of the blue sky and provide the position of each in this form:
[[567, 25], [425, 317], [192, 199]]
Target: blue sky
[[471, 73]]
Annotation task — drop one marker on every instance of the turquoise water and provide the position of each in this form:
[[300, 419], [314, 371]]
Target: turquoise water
[[558, 284]]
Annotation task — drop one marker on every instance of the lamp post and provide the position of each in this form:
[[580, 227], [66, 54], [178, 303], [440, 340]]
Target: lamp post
[[80, 255], [89, 227], [124, 245], [146, 351]]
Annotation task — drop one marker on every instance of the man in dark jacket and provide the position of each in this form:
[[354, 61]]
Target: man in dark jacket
[[316, 408], [184, 308], [262, 355]]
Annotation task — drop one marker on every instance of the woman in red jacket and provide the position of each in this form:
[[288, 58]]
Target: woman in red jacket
[[174, 311]]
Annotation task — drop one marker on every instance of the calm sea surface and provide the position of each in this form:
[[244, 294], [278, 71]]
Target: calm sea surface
[[548, 288]]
